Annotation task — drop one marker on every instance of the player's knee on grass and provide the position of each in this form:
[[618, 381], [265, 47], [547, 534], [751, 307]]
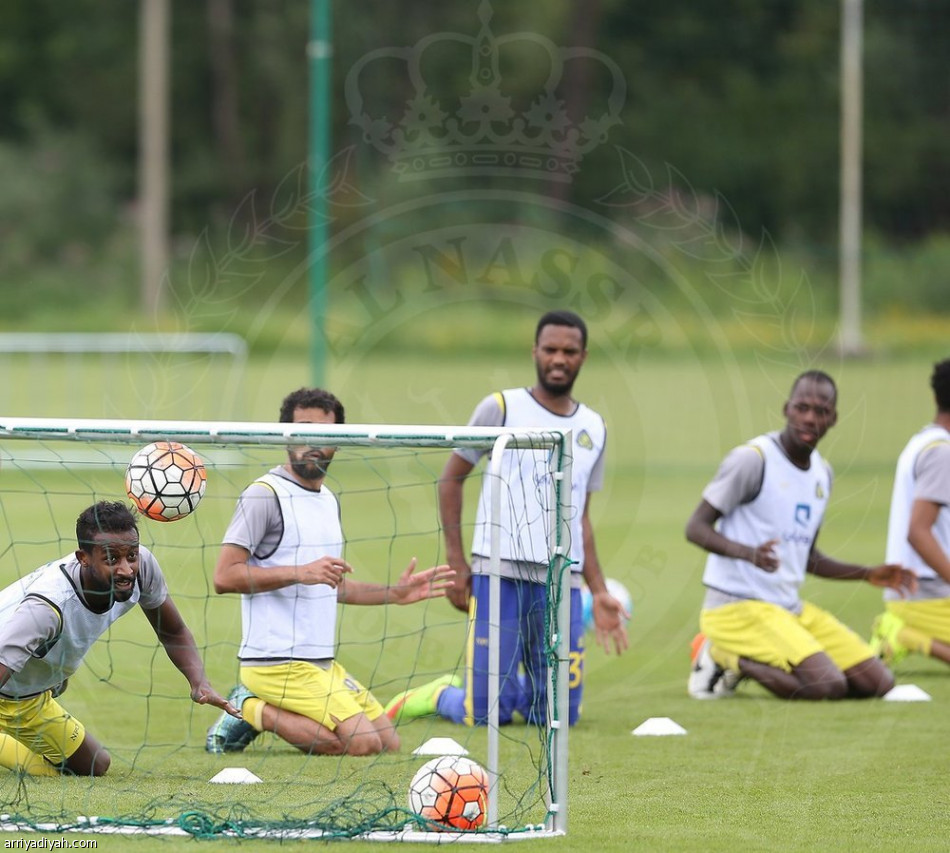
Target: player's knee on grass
[[359, 736], [389, 738], [320, 746], [820, 679], [823, 690], [90, 759], [364, 744], [869, 679], [102, 763]]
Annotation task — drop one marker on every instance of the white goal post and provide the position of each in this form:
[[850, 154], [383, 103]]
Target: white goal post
[[212, 437]]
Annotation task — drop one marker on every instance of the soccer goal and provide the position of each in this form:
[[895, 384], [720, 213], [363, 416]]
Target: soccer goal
[[128, 694]]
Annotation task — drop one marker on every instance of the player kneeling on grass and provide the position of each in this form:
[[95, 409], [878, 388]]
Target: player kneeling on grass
[[759, 519], [918, 535], [283, 551], [51, 618]]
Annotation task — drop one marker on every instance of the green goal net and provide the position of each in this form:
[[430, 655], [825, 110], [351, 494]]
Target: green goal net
[[129, 695]]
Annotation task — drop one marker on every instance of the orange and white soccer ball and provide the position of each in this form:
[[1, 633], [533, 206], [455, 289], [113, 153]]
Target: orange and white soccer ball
[[166, 480], [451, 792]]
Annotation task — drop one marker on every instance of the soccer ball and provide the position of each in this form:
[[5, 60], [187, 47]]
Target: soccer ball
[[451, 792], [165, 480]]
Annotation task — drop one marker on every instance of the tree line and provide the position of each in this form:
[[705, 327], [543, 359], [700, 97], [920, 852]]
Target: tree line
[[739, 98]]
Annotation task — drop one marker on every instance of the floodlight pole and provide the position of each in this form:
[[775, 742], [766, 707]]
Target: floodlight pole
[[319, 55], [154, 29], [852, 16]]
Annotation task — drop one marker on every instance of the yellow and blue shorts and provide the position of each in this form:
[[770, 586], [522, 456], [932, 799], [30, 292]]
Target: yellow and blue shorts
[[42, 725], [523, 644], [770, 634], [328, 695]]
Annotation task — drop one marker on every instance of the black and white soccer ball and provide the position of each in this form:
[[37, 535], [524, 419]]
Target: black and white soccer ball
[[166, 480]]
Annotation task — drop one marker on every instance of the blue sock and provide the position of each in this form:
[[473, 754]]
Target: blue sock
[[451, 704]]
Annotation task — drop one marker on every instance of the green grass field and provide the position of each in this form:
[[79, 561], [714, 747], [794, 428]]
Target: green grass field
[[752, 773]]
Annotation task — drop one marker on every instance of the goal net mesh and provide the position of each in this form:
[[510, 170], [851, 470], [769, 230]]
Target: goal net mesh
[[130, 696]]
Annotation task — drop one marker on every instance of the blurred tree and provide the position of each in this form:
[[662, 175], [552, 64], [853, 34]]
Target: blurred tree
[[907, 116], [71, 67], [225, 111], [740, 96]]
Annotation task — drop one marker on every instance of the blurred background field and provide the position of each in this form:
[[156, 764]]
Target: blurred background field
[[700, 238]]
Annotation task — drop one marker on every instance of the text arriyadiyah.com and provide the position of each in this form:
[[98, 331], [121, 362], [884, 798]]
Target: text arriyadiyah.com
[[51, 843]]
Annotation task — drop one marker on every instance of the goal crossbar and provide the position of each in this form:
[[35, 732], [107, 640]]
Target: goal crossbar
[[211, 432]]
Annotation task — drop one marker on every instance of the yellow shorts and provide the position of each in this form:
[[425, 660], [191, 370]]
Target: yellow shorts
[[772, 635], [327, 695], [43, 725], [929, 616]]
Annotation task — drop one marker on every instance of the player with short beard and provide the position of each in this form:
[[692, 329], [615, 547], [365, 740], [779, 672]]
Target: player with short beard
[[559, 352], [283, 552]]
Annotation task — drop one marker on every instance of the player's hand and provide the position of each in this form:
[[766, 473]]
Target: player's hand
[[205, 694], [610, 621], [415, 586], [326, 570], [461, 590], [893, 576], [764, 557]]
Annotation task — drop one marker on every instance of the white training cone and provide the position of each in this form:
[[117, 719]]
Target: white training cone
[[659, 726], [440, 746], [907, 693], [235, 776]]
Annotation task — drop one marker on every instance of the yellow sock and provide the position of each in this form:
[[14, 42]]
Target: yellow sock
[[253, 711], [727, 660], [914, 640], [15, 756]]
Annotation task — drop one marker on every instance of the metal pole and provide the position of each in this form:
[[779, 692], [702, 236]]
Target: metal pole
[[319, 53], [560, 723], [494, 623], [154, 20], [852, 16]]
